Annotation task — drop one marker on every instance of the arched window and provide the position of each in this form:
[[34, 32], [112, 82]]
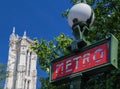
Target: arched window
[[29, 64]]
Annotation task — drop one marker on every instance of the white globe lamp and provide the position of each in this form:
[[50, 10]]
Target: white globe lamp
[[80, 18], [81, 12]]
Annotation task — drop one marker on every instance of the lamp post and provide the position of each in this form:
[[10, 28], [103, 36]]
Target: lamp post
[[84, 60], [80, 18]]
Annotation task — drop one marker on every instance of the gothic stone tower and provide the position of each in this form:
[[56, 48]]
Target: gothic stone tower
[[22, 73]]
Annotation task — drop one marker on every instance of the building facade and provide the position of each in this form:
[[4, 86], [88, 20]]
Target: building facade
[[21, 67]]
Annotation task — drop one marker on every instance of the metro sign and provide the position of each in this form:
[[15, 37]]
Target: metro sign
[[80, 61], [92, 59]]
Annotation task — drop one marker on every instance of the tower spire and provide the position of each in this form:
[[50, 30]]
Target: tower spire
[[13, 30], [24, 36], [24, 33]]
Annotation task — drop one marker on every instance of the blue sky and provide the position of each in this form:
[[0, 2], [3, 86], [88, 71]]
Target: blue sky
[[39, 18]]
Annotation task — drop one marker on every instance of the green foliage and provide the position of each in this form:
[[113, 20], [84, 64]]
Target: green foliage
[[48, 51], [2, 75], [65, 13], [46, 85], [107, 20]]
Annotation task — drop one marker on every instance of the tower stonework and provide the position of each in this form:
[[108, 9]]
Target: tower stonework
[[21, 67]]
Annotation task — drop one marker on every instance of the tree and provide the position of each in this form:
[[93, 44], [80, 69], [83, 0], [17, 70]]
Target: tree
[[48, 51], [107, 19], [2, 75]]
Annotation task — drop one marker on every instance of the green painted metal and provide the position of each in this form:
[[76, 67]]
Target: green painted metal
[[114, 51], [80, 31]]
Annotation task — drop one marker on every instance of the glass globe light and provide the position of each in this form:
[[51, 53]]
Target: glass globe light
[[82, 12]]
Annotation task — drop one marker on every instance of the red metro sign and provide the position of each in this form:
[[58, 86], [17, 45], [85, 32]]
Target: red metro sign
[[91, 58], [80, 61]]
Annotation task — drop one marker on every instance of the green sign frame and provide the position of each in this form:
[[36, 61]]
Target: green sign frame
[[112, 62]]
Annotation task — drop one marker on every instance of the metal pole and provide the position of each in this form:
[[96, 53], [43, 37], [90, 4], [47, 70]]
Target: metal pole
[[75, 84], [79, 83], [80, 1]]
